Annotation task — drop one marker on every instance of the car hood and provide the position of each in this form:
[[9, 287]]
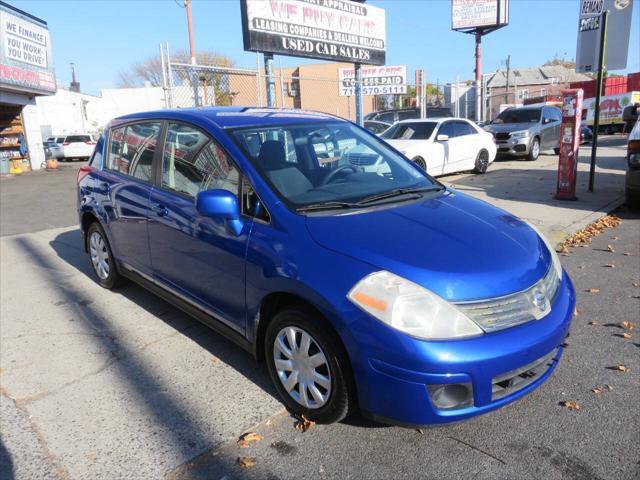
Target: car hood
[[508, 127], [454, 245]]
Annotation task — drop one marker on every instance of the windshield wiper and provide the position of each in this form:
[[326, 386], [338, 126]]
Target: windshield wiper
[[326, 206], [399, 192]]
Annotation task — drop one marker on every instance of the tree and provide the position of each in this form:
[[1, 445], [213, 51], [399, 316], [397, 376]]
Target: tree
[[561, 62], [150, 69]]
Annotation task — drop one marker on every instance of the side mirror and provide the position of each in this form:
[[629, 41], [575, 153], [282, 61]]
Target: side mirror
[[442, 138], [220, 204]]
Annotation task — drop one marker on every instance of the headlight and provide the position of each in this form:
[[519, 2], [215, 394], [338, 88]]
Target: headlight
[[410, 308], [520, 134], [554, 256], [634, 160]]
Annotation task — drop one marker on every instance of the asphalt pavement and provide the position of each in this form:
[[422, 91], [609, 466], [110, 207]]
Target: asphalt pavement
[[111, 385]]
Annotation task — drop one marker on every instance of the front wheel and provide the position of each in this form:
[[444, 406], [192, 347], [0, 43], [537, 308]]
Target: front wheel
[[534, 150], [482, 162], [308, 367], [633, 200], [420, 162]]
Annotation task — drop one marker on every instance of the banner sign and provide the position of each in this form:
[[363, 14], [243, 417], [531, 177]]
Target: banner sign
[[618, 29], [339, 30], [569, 143], [470, 14], [25, 53], [387, 80]]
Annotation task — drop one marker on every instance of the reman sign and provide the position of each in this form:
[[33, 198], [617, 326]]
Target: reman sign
[[339, 30]]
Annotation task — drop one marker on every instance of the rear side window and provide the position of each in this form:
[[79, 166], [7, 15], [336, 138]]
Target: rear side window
[[78, 138], [132, 149], [96, 158], [447, 129], [194, 162], [463, 128]]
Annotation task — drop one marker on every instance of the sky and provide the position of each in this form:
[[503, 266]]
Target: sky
[[104, 37]]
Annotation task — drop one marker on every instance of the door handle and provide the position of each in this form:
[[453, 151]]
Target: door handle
[[160, 210]]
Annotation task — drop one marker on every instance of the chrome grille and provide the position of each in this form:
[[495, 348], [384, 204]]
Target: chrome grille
[[362, 159], [503, 312], [517, 379]]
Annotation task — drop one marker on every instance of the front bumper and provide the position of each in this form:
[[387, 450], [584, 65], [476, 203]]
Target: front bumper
[[392, 387], [516, 147]]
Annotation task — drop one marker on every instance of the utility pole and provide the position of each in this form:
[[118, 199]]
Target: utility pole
[[192, 45], [506, 93], [478, 73]]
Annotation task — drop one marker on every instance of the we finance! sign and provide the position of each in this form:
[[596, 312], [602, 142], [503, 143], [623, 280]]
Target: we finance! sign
[[339, 30], [386, 80], [25, 53]]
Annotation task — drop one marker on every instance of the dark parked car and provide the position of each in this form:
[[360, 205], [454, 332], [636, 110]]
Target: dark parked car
[[632, 178], [395, 115], [375, 126], [239, 217]]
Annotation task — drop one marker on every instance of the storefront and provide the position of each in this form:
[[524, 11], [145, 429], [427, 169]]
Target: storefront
[[26, 71]]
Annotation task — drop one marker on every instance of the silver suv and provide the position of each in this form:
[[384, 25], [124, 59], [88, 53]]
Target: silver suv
[[525, 131]]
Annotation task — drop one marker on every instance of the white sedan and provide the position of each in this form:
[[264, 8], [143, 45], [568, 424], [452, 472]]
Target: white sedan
[[443, 145]]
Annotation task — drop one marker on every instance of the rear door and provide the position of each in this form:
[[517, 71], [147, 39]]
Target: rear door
[[550, 133], [126, 187], [198, 258], [466, 146], [451, 148]]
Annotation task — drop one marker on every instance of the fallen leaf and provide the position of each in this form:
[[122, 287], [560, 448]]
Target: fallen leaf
[[580, 267], [570, 404], [564, 344], [576, 311], [247, 462], [620, 368], [420, 431], [626, 335], [614, 238], [627, 254], [635, 284], [583, 237], [563, 249], [303, 423], [627, 325], [248, 438], [609, 265], [606, 388], [610, 249], [593, 290], [593, 322]]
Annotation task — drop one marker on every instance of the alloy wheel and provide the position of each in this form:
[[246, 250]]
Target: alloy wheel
[[99, 255], [302, 367]]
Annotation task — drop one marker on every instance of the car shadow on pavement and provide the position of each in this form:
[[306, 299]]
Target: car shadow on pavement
[[166, 411], [539, 186], [6, 464]]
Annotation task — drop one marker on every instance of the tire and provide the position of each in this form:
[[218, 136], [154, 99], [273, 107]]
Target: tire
[[334, 397], [102, 262], [420, 162], [534, 150], [633, 201], [482, 162]]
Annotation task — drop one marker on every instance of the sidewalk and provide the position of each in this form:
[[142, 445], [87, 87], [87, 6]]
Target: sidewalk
[[526, 189]]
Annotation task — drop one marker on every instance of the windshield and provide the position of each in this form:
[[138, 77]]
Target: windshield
[[519, 115], [410, 131], [308, 164]]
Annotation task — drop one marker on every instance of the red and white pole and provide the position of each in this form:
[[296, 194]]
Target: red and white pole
[[569, 143]]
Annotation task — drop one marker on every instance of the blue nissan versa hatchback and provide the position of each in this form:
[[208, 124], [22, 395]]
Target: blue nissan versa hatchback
[[357, 278]]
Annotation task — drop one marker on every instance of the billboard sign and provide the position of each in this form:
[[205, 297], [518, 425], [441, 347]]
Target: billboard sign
[[472, 14], [339, 30], [386, 80], [618, 29], [26, 64]]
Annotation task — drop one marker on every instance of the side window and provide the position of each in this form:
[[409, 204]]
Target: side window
[[386, 117], [252, 206], [557, 115], [447, 129], [96, 158], [132, 149], [463, 128], [193, 162]]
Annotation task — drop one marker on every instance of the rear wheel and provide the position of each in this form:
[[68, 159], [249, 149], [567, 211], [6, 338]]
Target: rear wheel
[[420, 162], [102, 259], [534, 150], [308, 367], [633, 200], [482, 162]]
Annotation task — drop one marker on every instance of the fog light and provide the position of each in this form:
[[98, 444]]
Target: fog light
[[520, 148], [454, 395]]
